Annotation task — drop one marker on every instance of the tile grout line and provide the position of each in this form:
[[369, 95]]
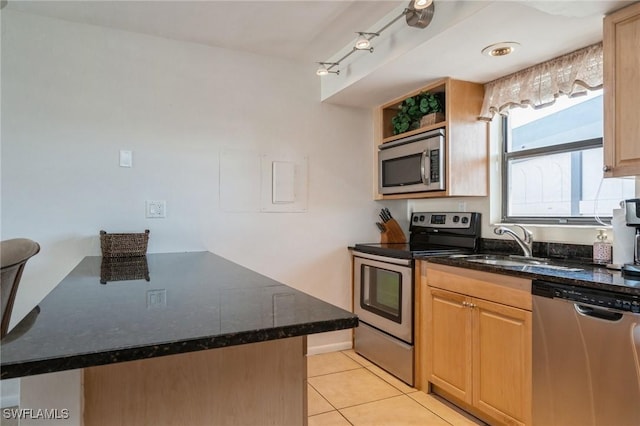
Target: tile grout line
[[375, 400], [334, 372], [413, 390], [370, 369], [363, 403], [436, 414], [323, 397], [396, 396]]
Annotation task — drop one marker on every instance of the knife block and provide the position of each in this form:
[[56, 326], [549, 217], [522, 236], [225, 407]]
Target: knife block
[[393, 233]]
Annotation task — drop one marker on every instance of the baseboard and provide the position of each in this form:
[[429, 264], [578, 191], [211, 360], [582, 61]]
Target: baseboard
[[9, 401], [333, 347]]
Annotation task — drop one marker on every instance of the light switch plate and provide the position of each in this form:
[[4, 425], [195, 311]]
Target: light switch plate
[[156, 209], [126, 158]]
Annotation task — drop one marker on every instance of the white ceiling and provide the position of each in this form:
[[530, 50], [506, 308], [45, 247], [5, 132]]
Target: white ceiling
[[298, 30], [311, 31]]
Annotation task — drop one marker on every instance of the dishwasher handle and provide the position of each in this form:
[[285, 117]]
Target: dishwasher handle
[[603, 314]]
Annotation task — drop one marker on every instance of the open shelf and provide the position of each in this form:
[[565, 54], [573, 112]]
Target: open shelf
[[391, 109]]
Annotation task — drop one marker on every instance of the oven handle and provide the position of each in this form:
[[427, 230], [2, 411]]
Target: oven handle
[[404, 262], [423, 167]]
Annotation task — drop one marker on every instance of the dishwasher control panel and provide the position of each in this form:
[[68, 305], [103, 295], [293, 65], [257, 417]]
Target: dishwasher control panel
[[604, 299]]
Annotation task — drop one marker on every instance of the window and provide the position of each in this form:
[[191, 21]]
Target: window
[[552, 164]]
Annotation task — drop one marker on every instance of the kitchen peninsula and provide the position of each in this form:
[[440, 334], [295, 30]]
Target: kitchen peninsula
[[205, 341]]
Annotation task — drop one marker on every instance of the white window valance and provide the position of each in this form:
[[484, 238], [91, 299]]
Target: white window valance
[[538, 86]]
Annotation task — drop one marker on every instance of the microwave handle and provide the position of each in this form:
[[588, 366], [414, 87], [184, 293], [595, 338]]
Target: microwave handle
[[425, 174]]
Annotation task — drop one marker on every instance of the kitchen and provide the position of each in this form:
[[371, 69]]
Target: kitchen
[[176, 105]]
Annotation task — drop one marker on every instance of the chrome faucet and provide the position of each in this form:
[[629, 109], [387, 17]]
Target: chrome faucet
[[526, 243]]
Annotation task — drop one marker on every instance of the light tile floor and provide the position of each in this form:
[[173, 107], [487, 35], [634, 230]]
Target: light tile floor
[[346, 389]]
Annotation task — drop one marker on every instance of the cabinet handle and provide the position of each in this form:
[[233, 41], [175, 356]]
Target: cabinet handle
[[606, 169], [465, 304]]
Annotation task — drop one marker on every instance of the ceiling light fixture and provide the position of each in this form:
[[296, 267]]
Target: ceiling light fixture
[[422, 4], [418, 14], [364, 41], [501, 49], [323, 70]]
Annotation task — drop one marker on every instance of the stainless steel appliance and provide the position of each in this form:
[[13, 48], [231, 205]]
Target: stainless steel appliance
[[383, 286], [632, 217], [586, 352], [412, 164]]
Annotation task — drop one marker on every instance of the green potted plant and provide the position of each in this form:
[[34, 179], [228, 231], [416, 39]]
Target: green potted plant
[[412, 109]]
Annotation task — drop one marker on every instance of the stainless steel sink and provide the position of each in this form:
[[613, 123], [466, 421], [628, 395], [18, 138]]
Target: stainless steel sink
[[499, 260]]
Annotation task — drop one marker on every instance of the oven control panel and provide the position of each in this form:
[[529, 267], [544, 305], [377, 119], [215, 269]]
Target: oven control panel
[[458, 220]]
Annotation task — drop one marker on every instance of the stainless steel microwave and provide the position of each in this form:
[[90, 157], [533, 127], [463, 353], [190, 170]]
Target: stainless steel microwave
[[412, 164]]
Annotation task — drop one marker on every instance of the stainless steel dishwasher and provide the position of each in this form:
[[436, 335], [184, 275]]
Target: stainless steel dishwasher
[[586, 356]]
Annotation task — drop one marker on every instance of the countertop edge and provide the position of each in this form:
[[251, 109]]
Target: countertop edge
[[556, 276], [52, 365]]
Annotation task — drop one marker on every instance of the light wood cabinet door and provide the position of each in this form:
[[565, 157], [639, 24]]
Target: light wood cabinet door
[[477, 344], [621, 92], [502, 361], [449, 343]]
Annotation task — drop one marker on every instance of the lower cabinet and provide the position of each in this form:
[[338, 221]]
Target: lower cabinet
[[477, 346]]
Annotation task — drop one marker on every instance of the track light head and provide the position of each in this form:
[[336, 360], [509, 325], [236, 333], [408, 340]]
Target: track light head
[[421, 4], [323, 70], [419, 17], [362, 43]]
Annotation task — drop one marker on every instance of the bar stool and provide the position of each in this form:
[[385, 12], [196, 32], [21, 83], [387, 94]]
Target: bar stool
[[14, 254]]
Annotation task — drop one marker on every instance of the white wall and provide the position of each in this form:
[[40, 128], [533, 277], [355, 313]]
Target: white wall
[[74, 95]]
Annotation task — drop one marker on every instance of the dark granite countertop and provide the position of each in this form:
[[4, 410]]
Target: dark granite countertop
[[588, 276], [193, 301]]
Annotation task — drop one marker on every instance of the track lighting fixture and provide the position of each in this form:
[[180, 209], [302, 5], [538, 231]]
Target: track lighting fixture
[[323, 70], [418, 14], [364, 41], [421, 4]]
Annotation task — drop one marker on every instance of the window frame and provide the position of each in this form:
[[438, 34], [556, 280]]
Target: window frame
[[537, 152]]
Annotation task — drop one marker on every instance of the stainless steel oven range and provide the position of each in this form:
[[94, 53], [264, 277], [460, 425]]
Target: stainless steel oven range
[[383, 286]]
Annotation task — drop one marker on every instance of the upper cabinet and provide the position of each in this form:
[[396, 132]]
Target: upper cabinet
[[622, 92], [464, 165]]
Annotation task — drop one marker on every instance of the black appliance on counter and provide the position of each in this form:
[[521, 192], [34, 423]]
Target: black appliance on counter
[[384, 281], [632, 217]]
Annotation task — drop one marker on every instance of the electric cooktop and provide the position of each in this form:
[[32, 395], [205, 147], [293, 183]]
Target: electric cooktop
[[432, 234]]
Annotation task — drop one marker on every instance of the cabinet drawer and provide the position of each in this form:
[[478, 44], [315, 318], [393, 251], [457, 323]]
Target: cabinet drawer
[[497, 288]]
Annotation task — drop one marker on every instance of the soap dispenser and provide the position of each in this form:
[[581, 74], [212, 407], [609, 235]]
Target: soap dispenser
[[602, 249]]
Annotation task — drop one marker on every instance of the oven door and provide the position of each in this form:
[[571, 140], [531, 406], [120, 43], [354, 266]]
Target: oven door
[[413, 164], [383, 294]]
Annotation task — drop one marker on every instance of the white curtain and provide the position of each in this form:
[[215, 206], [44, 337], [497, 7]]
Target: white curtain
[[538, 86]]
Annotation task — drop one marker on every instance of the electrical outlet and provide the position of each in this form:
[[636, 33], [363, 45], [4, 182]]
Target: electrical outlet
[[156, 298], [156, 209]]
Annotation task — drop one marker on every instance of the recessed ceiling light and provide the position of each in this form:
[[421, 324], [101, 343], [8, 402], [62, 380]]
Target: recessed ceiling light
[[501, 49]]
